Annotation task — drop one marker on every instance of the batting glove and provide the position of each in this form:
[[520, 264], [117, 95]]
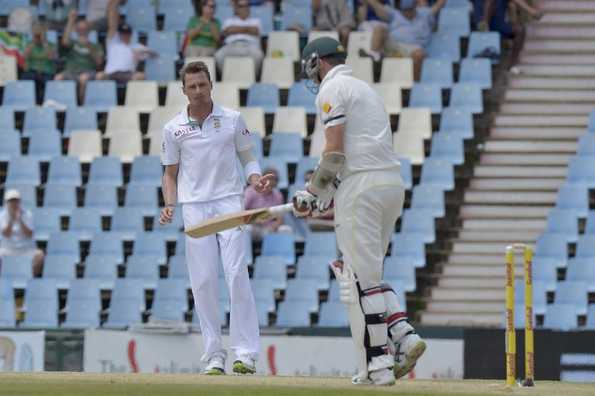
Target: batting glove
[[304, 202]]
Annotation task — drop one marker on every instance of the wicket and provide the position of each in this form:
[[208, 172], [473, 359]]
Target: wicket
[[510, 329]]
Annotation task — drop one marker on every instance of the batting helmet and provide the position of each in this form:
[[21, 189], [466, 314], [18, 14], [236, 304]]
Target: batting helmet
[[317, 49]]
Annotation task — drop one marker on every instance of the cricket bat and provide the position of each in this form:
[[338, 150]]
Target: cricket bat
[[225, 222]]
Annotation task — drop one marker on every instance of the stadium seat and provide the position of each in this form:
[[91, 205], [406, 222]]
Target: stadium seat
[[60, 197], [80, 118], [278, 71], [397, 70], [254, 118], [333, 314], [314, 268], [586, 145], [438, 173], [280, 166], [61, 269], [144, 269], [293, 314], [127, 222], [301, 96], [552, 246], [65, 171], [123, 314], [174, 99], [83, 305], [264, 12], [169, 231], [573, 197], [456, 121], [100, 95], [303, 290], [539, 296], [581, 171], [426, 96], [146, 171], [178, 269], [140, 14], [163, 42], [121, 118], [126, 145], [284, 44], [39, 120], [419, 221], [591, 317], [142, 96], [23, 170], [563, 222], [41, 304], [545, 270], [416, 121], [455, 21], [176, 14], [264, 293], [7, 307], [7, 121], [16, 270], [279, 244], [321, 244], [263, 95], [477, 71], [287, 146], [101, 269], [28, 193], [296, 15], [359, 40], [314, 34], [85, 222], [560, 317], [106, 244], [273, 268], [61, 92], [408, 144], [151, 244], [591, 122], [142, 197], [400, 269], [410, 247], [448, 147], [160, 69], [406, 172], [170, 300], [445, 46], [304, 165], [291, 119], [467, 96], [226, 94], [19, 95], [362, 68], [10, 144], [45, 222], [480, 41], [391, 95], [45, 146], [102, 198], [162, 115], [239, 70], [586, 246], [438, 72], [590, 226], [582, 269], [430, 198]]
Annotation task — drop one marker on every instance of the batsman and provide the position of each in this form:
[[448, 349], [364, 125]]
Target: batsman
[[358, 175]]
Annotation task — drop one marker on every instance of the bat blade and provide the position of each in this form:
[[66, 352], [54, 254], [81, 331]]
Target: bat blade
[[225, 222]]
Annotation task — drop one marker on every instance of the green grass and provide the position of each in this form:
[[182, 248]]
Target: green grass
[[79, 384]]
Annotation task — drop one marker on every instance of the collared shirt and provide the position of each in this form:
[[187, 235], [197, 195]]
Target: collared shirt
[[207, 156], [416, 31], [17, 240], [120, 56], [344, 99], [248, 22]]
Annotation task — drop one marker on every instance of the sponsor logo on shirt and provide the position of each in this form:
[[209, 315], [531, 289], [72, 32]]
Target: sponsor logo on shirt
[[326, 107], [245, 132], [188, 130]]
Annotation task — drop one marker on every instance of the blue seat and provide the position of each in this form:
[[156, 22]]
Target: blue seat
[[573, 197], [437, 71], [151, 244], [426, 95], [39, 120], [539, 296], [63, 243], [146, 171], [444, 45], [419, 221], [23, 170], [128, 222], [8, 6], [83, 312], [123, 314], [106, 171], [272, 268], [304, 165], [581, 171], [41, 304], [333, 314], [411, 247], [257, 149], [7, 307], [128, 289], [142, 197], [169, 231], [279, 244], [477, 71], [100, 95], [321, 244], [303, 290], [590, 226], [545, 270], [287, 146], [86, 222], [19, 95], [224, 10], [10, 144], [455, 21], [264, 293], [60, 197], [586, 246], [406, 172], [65, 171], [314, 268], [170, 300], [60, 268], [586, 145], [301, 96], [7, 118], [296, 15], [591, 122], [560, 317], [519, 316], [45, 146], [448, 147], [553, 246], [293, 314], [28, 193], [84, 118], [144, 268], [181, 244], [430, 198], [45, 222], [438, 173], [263, 95], [280, 166], [101, 198], [160, 69], [402, 270], [563, 222], [62, 92], [264, 13], [480, 41], [140, 14], [591, 317], [16, 270], [458, 4], [458, 122], [106, 244], [178, 268], [176, 14], [467, 96], [101, 269], [582, 269]]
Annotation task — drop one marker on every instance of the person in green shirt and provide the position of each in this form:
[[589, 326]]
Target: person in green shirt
[[40, 57], [82, 57], [203, 32]]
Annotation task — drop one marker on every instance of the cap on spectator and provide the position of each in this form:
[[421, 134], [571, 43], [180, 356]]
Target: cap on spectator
[[124, 28], [11, 194], [407, 4]]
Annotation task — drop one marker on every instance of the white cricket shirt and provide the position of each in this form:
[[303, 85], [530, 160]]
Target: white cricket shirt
[[344, 99], [207, 156]]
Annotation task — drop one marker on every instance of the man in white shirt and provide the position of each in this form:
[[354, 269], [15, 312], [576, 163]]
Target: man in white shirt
[[242, 36], [16, 227], [358, 174], [200, 150]]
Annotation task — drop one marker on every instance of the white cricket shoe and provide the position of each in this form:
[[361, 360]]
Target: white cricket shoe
[[408, 351], [383, 377], [244, 366], [215, 366]]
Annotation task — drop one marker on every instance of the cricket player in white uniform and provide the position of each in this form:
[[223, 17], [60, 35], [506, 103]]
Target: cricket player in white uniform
[[201, 146], [359, 174]]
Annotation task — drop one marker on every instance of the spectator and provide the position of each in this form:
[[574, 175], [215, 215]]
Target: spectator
[[255, 200], [40, 57], [16, 226], [409, 29], [57, 12], [96, 14], [203, 32], [367, 18], [242, 36], [333, 15], [82, 57], [122, 55]]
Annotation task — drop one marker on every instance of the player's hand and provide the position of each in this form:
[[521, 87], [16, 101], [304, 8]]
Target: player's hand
[[304, 202], [262, 184], [166, 215]]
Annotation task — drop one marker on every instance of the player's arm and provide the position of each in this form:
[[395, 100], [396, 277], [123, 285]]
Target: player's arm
[[243, 143], [169, 187]]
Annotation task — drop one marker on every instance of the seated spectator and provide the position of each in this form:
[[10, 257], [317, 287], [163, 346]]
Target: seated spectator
[[333, 15], [57, 12], [409, 30], [203, 32], [96, 14], [82, 57], [255, 200], [241, 36], [122, 55], [40, 59], [16, 226], [367, 18]]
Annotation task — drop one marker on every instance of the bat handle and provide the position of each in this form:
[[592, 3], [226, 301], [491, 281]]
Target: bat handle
[[280, 209]]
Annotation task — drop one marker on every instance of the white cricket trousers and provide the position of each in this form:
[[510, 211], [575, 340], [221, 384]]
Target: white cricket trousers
[[202, 258]]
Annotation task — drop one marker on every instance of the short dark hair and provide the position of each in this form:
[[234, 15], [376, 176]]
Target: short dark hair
[[194, 68], [334, 59]]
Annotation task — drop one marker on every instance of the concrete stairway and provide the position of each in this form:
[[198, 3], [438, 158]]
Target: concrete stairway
[[522, 164]]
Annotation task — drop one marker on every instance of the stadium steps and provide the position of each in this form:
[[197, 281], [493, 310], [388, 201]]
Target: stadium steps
[[522, 163]]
